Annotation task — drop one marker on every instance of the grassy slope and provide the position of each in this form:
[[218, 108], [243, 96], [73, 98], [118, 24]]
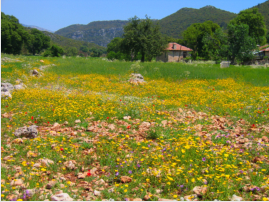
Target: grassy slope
[[181, 149], [174, 24]]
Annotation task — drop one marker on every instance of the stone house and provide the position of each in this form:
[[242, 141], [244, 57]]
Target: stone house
[[263, 51], [174, 53]]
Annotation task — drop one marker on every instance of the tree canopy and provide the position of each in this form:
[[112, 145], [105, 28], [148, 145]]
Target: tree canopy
[[13, 34], [241, 45], [194, 34], [142, 37], [255, 20], [37, 41]]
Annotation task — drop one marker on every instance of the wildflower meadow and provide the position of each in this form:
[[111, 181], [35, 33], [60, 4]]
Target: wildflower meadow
[[191, 132]]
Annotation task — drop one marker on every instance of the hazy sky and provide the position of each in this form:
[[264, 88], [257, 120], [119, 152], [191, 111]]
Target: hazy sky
[[56, 14]]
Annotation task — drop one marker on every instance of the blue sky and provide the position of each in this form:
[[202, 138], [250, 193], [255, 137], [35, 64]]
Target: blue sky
[[56, 14]]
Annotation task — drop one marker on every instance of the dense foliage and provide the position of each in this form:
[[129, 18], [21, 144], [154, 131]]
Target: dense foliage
[[263, 9], [194, 36], [141, 37], [255, 20], [174, 25], [13, 35], [73, 47], [241, 45]]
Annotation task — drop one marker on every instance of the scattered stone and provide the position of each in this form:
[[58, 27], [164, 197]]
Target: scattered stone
[[70, 164], [31, 154], [126, 117], [30, 192], [137, 199], [37, 165], [46, 161], [6, 95], [81, 175], [111, 190], [51, 184], [17, 141], [136, 79], [192, 197], [19, 86], [77, 121], [224, 64], [61, 197], [199, 190], [236, 198], [125, 179], [16, 182], [96, 193], [111, 126], [158, 191], [28, 132], [6, 87], [35, 73]]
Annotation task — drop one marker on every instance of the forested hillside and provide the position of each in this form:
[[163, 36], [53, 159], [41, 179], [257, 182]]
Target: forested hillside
[[99, 32], [174, 25], [264, 10], [69, 43]]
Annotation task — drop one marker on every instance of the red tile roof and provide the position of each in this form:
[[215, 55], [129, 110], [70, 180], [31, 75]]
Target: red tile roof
[[177, 47], [264, 48]]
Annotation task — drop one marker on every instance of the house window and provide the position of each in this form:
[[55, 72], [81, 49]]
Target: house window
[[185, 54]]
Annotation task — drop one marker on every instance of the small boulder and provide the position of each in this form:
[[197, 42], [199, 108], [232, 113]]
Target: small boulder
[[28, 132], [51, 184], [136, 79], [6, 94], [61, 197], [6, 87], [236, 198]]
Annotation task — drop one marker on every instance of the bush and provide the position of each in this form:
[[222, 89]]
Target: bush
[[47, 53], [153, 135], [56, 51]]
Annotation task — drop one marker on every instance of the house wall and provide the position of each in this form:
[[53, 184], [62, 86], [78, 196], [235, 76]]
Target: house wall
[[163, 57], [172, 56], [267, 53]]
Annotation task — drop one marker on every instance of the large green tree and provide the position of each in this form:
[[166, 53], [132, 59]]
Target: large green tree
[[241, 45], [13, 34], [37, 42], [142, 36], [114, 45], [194, 34], [216, 45], [255, 21]]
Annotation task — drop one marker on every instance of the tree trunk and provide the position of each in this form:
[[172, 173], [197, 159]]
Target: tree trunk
[[143, 57]]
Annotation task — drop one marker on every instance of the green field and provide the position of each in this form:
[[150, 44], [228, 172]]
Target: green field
[[191, 130]]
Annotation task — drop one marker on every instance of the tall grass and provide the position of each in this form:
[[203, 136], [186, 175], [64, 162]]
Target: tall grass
[[167, 71]]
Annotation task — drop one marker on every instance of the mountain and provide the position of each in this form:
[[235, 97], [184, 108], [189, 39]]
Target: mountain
[[36, 27], [102, 32], [98, 32], [174, 25], [69, 43], [264, 10]]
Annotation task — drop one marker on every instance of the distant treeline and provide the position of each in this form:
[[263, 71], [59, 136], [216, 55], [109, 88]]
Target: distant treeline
[[16, 39]]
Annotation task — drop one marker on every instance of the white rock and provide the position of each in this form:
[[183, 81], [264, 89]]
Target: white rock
[[61, 197], [96, 193], [236, 198], [77, 121]]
